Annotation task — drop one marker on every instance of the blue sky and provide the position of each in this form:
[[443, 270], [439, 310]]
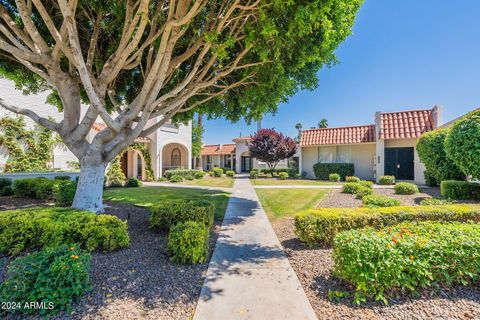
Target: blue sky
[[401, 55]]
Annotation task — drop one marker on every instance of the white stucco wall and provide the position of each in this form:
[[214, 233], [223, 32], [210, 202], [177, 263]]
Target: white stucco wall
[[418, 166], [36, 103]]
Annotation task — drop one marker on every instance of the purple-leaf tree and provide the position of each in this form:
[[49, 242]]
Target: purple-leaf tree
[[270, 146]]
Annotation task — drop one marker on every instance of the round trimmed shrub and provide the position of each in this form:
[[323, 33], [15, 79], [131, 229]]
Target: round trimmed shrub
[[366, 183], [431, 150], [351, 187], [406, 188], [334, 177], [352, 179], [188, 242], [230, 173], [283, 175], [133, 183], [363, 191], [217, 172], [176, 178], [386, 180], [198, 174], [253, 174], [462, 144]]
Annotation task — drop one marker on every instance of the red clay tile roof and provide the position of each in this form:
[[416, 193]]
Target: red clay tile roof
[[218, 149], [342, 135], [242, 139], [405, 124]]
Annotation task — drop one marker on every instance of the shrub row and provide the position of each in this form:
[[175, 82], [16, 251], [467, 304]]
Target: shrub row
[[460, 190], [5, 187], [197, 174], [61, 191], [407, 257], [290, 171], [57, 276], [36, 228], [319, 226], [323, 170]]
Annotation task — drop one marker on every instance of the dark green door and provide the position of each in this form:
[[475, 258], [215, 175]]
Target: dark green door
[[399, 163], [246, 164]]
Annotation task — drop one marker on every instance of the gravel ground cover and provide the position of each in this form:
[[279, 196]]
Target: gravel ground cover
[[138, 282], [336, 199], [314, 269]]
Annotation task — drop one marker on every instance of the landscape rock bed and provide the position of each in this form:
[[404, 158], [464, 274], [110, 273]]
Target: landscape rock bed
[[337, 199], [139, 282], [314, 270]]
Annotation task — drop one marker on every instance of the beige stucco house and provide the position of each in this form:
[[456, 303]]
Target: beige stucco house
[[386, 147]]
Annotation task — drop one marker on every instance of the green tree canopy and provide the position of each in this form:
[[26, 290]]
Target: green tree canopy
[[138, 64]]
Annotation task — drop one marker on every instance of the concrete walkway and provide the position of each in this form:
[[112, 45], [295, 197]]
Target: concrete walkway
[[249, 276]]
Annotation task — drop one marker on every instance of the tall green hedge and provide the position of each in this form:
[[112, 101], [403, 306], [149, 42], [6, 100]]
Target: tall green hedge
[[431, 150], [463, 144], [323, 170]]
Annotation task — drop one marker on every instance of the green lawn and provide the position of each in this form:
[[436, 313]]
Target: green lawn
[[284, 203], [147, 196], [278, 182], [223, 182]]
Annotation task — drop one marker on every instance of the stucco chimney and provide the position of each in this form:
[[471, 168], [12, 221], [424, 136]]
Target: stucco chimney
[[437, 116], [378, 124]]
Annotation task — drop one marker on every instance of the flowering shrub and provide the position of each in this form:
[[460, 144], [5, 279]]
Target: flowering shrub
[[56, 276], [188, 242], [373, 201], [319, 226], [407, 257], [35, 228], [170, 212], [406, 188]]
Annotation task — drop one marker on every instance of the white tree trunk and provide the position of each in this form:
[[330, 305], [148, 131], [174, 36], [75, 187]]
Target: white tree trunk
[[90, 185]]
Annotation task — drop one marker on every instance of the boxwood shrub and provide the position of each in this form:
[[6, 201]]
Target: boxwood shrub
[[352, 179], [56, 276], [351, 187], [283, 175], [319, 226], [168, 213], [34, 228], [363, 191], [334, 177], [460, 190], [217, 172], [188, 242], [290, 171], [5, 187], [176, 178], [386, 180], [323, 170], [64, 193], [230, 173], [133, 183], [435, 202], [375, 200], [406, 188], [407, 257], [253, 174]]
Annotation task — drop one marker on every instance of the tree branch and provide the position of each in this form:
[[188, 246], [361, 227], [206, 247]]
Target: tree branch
[[32, 115]]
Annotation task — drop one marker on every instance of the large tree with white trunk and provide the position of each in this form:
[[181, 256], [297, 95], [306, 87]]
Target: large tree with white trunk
[[137, 64]]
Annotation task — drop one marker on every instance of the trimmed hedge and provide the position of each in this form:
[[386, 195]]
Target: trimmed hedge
[[375, 201], [290, 171], [407, 257], [61, 191], [57, 276], [406, 188], [319, 226], [170, 212], [64, 192], [188, 242], [323, 170], [351, 187], [460, 190], [38, 227], [386, 180], [198, 174]]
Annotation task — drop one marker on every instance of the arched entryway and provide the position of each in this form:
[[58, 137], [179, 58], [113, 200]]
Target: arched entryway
[[174, 156], [133, 164]]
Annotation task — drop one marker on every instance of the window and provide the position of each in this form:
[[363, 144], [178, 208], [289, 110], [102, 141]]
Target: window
[[176, 158]]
